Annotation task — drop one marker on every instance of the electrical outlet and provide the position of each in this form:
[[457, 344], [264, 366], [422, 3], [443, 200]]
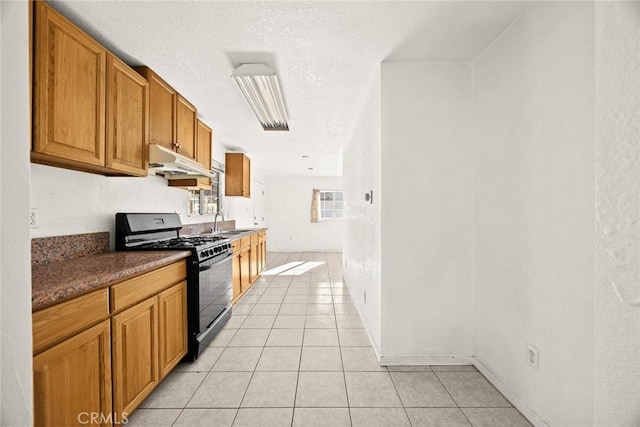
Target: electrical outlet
[[533, 356], [34, 218], [364, 296]]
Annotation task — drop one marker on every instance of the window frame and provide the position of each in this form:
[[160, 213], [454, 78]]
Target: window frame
[[332, 209], [201, 196]]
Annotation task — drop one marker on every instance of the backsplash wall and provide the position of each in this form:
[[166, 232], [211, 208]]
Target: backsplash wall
[[70, 202]]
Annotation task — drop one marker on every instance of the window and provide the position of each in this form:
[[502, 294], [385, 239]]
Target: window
[[206, 202], [331, 204]]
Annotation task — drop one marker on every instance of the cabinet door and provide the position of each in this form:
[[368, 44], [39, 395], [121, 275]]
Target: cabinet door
[[260, 258], [127, 118], [245, 265], [264, 250], [72, 380], [204, 145], [186, 124], [69, 107], [162, 109], [253, 262], [135, 354], [172, 305], [237, 175], [246, 176], [236, 277]]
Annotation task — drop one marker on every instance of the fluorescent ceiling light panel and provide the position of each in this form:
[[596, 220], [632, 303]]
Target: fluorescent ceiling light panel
[[260, 87]]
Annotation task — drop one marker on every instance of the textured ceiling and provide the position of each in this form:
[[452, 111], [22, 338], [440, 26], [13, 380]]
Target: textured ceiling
[[326, 54]]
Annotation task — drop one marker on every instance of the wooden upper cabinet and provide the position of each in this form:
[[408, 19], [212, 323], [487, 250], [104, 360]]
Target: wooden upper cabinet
[[89, 108], [204, 145], [187, 119], [127, 118], [69, 107], [203, 156], [172, 118], [237, 175], [162, 109]]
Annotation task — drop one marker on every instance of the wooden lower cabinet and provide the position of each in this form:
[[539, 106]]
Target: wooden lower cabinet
[[236, 278], [135, 355], [262, 252], [117, 356], [241, 273], [172, 311], [149, 340], [72, 380], [249, 260], [254, 270], [245, 272]]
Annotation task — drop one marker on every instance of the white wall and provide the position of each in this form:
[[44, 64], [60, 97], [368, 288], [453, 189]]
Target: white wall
[[362, 250], [617, 324], [240, 209], [534, 209], [15, 249], [288, 213], [71, 202], [427, 295]]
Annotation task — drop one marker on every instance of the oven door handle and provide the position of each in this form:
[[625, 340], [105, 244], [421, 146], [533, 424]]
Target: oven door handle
[[206, 265]]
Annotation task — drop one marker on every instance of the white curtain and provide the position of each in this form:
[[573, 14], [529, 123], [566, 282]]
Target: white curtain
[[315, 209]]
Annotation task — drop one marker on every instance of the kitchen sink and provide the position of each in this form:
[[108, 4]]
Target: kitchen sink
[[233, 232]]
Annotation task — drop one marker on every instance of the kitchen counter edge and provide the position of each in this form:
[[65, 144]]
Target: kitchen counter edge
[[245, 232], [59, 281]]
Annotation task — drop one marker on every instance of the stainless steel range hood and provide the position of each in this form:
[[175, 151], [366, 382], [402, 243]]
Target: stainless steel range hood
[[171, 165]]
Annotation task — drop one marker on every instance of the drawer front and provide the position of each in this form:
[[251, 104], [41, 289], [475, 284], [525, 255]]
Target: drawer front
[[133, 290], [245, 241], [254, 238], [235, 245], [65, 319]]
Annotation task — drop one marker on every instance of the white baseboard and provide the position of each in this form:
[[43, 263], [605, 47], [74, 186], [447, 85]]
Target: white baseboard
[[518, 403], [426, 360]]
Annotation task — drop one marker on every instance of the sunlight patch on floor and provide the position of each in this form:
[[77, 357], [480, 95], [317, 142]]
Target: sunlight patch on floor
[[292, 268]]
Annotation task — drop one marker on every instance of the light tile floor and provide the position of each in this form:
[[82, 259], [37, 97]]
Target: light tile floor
[[295, 353]]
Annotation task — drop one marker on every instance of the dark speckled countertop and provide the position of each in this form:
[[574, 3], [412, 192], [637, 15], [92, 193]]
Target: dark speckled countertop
[[57, 281]]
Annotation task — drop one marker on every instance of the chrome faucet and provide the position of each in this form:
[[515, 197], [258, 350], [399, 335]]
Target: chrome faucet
[[215, 221]]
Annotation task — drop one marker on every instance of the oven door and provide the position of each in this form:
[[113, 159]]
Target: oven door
[[215, 291]]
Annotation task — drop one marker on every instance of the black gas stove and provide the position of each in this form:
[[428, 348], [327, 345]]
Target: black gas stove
[[209, 271], [204, 247]]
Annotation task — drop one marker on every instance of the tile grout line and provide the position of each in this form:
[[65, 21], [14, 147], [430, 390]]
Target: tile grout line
[[404, 408], [344, 374], [452, 398], [193, 394], [295, 394]]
